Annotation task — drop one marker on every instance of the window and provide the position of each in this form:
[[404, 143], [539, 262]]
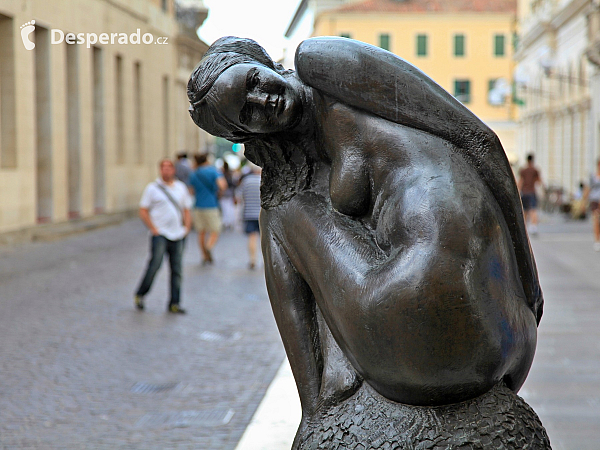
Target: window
[[164, 4], [345, 35], [8, 98], [421, 45], [166, 105], [384, 41], [99, 158], [499, 45], [43, 123], [74, 179], [462, 90], [119, 107], [459, 45], [138, 111]]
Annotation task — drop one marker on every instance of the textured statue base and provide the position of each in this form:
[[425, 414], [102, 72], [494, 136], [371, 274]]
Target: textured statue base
[[499, 419]]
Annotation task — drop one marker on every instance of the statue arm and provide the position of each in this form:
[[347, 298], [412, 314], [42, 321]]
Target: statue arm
[[294, 310], [381, 83], [369, 297], [350, 263]]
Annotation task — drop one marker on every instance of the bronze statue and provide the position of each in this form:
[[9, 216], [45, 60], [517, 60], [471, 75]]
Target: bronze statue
[[397, 261]]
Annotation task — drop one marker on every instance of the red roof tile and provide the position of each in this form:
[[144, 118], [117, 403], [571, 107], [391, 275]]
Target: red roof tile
[[427, 6]]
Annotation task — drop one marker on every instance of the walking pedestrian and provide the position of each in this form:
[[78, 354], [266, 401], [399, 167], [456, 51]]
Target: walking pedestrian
[[227, 200], [183, 168], [249, 193], [529, 178], [165, 210], [592, 194], [205, 183]]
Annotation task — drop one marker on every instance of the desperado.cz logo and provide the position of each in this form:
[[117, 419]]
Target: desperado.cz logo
[[26, 30], [88, 39]]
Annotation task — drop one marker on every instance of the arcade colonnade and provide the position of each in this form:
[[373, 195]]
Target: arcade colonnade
[[83, 126]]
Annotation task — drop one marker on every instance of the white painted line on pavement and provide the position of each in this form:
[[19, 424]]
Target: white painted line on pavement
[[276, 420]]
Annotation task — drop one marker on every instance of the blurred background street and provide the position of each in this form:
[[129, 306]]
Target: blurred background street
[[563, 386]]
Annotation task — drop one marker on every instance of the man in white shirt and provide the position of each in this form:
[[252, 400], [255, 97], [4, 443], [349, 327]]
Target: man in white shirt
[[165, 210]]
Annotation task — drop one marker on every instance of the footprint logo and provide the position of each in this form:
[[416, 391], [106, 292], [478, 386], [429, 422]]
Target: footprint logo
[[26, 30]]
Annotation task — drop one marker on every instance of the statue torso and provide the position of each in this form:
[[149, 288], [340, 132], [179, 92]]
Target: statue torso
[[460, 324]]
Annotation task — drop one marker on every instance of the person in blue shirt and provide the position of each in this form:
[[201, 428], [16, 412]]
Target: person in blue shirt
[[205, 184]]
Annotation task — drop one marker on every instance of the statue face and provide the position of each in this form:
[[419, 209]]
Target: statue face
[[257, 99]]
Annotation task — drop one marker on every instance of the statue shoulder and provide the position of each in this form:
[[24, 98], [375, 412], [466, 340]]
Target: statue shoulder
[[381, 83], [344, 69]]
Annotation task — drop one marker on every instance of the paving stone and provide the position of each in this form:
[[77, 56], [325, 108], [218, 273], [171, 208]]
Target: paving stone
[[73, 348]]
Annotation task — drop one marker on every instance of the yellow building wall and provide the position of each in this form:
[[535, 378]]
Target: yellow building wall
[[479, 65]]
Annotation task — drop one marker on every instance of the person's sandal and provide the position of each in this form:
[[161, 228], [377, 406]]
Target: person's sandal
[[139, 302]]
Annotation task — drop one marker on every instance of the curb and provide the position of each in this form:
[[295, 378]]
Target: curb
[[274, 424], [55, 231]]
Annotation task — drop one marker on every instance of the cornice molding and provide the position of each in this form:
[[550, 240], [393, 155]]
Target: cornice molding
[[569, 11], [535, 33]]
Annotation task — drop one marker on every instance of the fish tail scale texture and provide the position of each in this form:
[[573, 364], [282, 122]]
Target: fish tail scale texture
[[499, 419]]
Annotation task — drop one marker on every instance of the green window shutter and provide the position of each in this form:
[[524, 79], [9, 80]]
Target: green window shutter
[[345, 35], [499, 44], [515, 98], [459, 45], [421, 45], [384, 41], [491, 84], [462, 90]]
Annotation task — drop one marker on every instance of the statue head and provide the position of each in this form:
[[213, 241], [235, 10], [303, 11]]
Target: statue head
[[237, 92]]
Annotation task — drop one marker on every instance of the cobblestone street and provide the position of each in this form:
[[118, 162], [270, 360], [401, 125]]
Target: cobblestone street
[[80, 368]]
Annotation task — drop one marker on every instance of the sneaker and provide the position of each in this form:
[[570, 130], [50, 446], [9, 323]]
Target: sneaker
[[176, 309], [533, 230], [597, 246], [139, 302]]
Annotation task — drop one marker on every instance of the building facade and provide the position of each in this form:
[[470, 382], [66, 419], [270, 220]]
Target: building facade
[[302, 24], [554, 78], [593, 55], [466, 47], [92, 94]]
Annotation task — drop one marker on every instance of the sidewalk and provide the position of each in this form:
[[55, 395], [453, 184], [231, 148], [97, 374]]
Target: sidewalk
[[55, 231], [274, 424], [564, 383]]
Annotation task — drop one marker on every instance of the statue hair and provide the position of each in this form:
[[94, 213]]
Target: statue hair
[[284, 157]]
